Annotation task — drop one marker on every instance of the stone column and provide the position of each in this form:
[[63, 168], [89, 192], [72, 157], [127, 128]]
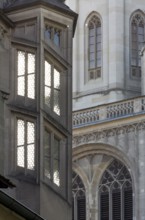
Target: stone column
[[116, 44], [143, 71], [141, 179]]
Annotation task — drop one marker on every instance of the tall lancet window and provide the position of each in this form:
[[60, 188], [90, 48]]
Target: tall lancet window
[[115, 193], [79, 198], [138, 38], [95, 52]]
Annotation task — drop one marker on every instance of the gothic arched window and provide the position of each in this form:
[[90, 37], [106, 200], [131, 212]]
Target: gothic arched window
[[95, 48], [137, 41], [115, 193], [79, 198]]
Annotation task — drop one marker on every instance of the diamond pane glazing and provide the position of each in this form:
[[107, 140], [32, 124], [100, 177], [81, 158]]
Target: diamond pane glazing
[[47, 96], [30, 133], [31, 86], [20, 132], [30, 157], [21, 86], [56, 149], [47, 143], [56, 102], [21, 63], [56, 79], [56, 178], [47, 169], [31, 63], [20, 156], [47, 74], [57, 109]]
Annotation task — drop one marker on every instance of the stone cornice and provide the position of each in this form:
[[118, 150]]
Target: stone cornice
[[4, 95], [100, 135], [5, 19]]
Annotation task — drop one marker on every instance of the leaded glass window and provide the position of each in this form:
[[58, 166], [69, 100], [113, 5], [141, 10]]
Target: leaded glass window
[[137, 42], [95, 47], [25, 144], [52, 88], [26, 74], [79, 198], [115, 193], [52, 157]]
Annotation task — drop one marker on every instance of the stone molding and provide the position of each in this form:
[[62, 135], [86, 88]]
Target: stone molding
[[100, 135], [2, 32], [4, 95]]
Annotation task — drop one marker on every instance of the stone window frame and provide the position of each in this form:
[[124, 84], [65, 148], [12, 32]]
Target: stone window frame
[[137, 67], [54, 133], [23, 171], [93, 73], [63, 87], [78, 191], [50, 85], [26, 50], [54, 27], [25, 24], [107, 187]]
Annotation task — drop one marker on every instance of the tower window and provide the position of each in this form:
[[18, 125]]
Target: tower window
[[25, 144], [95, 50], [26, 74], [137, 42], [52, 157], [52, 88]]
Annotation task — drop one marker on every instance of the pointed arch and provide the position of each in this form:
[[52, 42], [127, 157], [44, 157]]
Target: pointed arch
[[93, 46], [78, 197], [115, 193], [137, 41]]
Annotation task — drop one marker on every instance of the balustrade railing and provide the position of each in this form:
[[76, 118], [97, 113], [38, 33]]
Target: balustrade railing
[[109, 111]]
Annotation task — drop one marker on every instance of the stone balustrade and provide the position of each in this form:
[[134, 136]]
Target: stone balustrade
[[109, 111]]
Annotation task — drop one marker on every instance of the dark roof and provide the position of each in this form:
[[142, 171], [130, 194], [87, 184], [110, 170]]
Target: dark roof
[[5, 183], [14, 4], [58, 5], [6, 19], [17, 207]]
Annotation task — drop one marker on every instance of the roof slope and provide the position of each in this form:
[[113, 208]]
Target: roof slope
[[14, 4]]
